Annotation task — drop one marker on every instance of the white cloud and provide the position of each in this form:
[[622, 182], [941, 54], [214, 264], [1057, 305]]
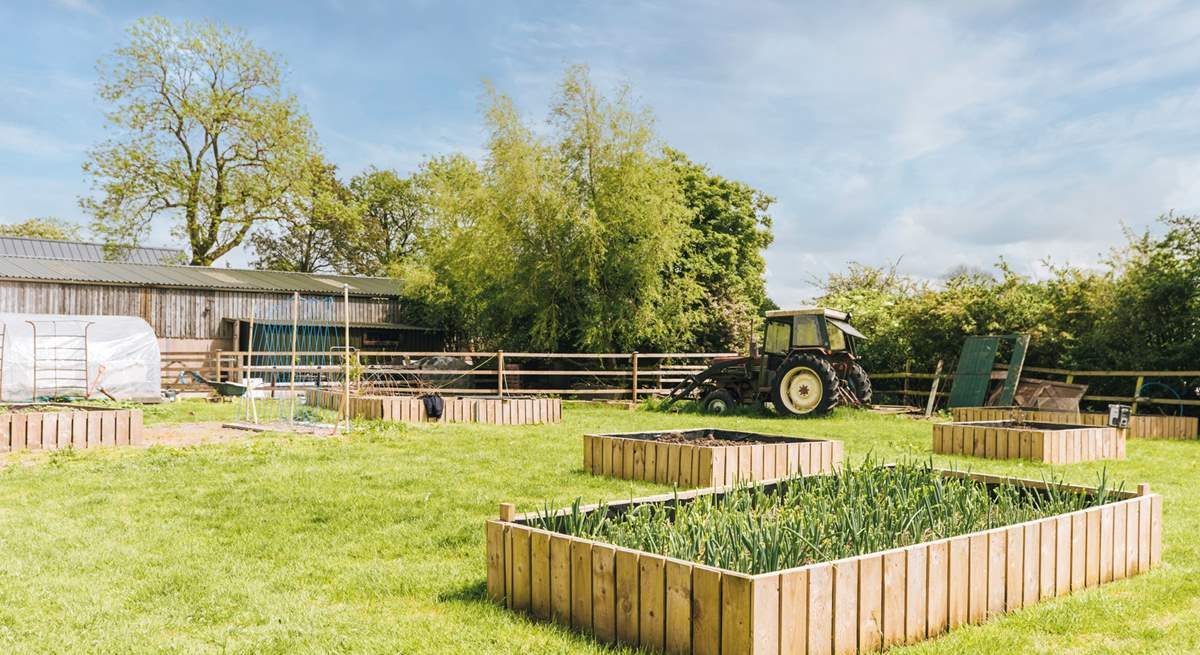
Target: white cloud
[[25, 141]]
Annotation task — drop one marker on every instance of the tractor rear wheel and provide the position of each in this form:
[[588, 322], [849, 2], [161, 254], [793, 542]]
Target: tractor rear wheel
[[805, 385], [860, 384], [717, 401]]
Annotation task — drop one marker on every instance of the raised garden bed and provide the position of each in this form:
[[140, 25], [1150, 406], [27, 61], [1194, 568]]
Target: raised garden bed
[[460, 409], [54, 426], [1053, 443], [854, 604], [707, 457], [1141, 426]]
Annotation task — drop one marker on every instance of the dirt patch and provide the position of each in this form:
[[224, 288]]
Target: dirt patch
[[706, 439], [191, 434]]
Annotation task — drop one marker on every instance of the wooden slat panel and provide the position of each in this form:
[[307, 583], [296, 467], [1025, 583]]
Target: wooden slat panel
[[651, 462], [652, 624], [520, 567], [1033, 549], [1078, 550], [581, 585], [679, 607], [79, 430], [662, 475], [495, 561], [745, 453], [628, 591], [793, 611], [587, 453], [894, 588], [1048, 557], [736, 601], [560, 579], [764, 614], [717, 472], [959, 581], [604, 592], [93, 429], [916, 580], [845, 606], [1131, 538], [539, 577], [33, 430], [1106, 543], [820, 609], [1092, 575], [1062, 556], [939, 588], [1118, 564], [704, 467], [706, 610], [5, 432], [1144, 510], [977, 593], [997, 560], [638, 471], [686, 470], [1014, 597], [18, 426], [870, 602]]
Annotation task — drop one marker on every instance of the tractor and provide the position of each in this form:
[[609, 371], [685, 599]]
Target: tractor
[[806, 367]]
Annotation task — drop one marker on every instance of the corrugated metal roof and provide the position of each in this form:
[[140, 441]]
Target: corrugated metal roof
[[79, 251], [191, 277]]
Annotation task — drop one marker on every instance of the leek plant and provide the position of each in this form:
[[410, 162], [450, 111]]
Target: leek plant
[[857, 510]]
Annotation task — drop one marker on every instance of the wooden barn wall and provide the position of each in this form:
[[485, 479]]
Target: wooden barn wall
[[184, 313]]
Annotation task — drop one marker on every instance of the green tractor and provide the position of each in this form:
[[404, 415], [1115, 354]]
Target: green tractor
[[806, 367]]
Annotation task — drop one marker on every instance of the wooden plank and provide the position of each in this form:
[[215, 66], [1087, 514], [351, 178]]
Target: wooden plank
[[93, 429], [521, 569], [939, 588], [977, 593], [652, 603], [1031, 589], [959, 581], [18, 431], [1131, 538], [706, 610], [651, 464], [1078, 550], [664, 457], [628, 472], [793, 610], [581, 585], [618, 458], [826, 457], [997, 559], [764, 614], [736, 601], [1062, 556], [686, 470], [916, 594], [673, 457], [745, 454], [870, 602], [49, 436], [793, 459], [108, 427], [1144, 534], [1092, 576], [604, 592], [1014, 577], [1118, 564], [845, 606], [703, 475], [627, 593], [756, 461], [820, 609], [679, 607], [731, 464], [1048, 557], [539, 577], [5, 431], [638, 469], [1155, 530], [494, 532], [560, 579], [1106, 543], [79, 430], [716, 471], [33, 431], [894, 597]]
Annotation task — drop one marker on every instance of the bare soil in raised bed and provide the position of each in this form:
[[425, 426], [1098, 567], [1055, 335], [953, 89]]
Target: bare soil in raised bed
[[704, 440]]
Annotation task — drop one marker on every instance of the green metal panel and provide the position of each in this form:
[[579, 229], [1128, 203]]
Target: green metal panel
[[1020, 344], [974, 371]]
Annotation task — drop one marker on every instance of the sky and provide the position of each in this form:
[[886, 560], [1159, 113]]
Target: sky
[[926, 135]]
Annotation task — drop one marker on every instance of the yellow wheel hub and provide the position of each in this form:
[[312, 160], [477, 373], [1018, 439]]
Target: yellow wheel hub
[[801, 390]]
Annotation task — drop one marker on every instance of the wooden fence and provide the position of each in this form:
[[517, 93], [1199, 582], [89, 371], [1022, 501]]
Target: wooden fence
[[854, 605], [589, 375], [72, 426], [910, 381]]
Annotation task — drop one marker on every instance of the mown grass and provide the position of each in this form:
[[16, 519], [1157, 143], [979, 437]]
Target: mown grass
[[374, 542]]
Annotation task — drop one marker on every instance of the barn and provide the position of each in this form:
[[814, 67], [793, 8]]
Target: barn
[[197, 309]]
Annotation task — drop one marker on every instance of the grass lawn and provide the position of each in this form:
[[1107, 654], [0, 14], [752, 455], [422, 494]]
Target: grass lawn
[[374, 543]]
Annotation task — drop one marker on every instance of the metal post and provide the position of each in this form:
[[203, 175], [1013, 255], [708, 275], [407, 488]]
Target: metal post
[[1136, 390], [292, 375], [346, 355], [250, 363]]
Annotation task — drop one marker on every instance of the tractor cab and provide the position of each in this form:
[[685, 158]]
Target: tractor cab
[[811, 328]]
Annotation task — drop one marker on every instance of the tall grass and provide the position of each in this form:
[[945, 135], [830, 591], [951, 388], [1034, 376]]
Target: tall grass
[[859, 510]]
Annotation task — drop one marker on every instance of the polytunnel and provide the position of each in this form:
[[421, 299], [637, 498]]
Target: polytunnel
[[44, 356]]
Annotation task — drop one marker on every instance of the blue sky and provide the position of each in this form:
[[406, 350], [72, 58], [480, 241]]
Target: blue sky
[[936, 135]]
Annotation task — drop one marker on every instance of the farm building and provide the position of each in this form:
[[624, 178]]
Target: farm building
[[196, 308]]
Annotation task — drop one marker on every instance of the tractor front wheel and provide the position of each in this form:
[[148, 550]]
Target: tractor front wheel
[[718, 401], [805, 385]]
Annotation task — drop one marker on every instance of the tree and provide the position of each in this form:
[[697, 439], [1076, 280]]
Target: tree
[[317, 223], [393, 212], [42, 228], [207, 138], [720, 272]]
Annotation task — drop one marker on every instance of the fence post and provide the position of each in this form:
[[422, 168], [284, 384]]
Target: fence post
[[500, 373], [633, 357], [1136, 390], [218, 378], [933, 389], [907, 372]]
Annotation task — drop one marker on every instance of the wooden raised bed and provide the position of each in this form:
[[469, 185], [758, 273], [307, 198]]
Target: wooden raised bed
[[855, 605], [1141, 426], [460, 409], [640, 456], [72, 426], [1052, 443]]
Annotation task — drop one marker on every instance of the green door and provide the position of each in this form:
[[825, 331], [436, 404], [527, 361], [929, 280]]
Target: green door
[[974, 372]]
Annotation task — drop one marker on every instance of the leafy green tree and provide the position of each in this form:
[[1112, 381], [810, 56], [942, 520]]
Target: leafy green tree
[[317, 220], [42, 228], [206, 138], [392, 215], [720, 272]]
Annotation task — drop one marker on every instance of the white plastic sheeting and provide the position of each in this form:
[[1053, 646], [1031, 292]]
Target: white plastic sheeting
[[47, 355]]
